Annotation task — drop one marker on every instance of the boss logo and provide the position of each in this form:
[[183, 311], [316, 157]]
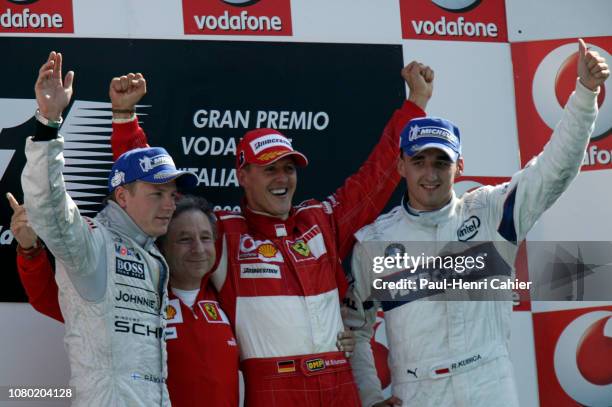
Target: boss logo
[[129, 268], [468, 229]]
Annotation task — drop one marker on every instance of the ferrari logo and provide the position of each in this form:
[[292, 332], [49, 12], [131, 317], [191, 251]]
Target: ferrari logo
[[302, 248], [211, 310]]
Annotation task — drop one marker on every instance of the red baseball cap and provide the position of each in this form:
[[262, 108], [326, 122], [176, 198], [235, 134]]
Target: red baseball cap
[[265, 146]]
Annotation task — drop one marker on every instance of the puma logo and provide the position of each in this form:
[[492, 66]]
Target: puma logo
[[412, 372]]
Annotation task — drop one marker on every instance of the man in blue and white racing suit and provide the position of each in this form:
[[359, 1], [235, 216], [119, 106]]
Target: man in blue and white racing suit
[[455, 353]]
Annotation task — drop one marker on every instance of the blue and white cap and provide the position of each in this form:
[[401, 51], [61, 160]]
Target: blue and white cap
[[431, 132], [150, 164]]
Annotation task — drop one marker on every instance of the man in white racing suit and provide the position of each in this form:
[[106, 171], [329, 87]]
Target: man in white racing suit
[[112, 279], [455, 353]]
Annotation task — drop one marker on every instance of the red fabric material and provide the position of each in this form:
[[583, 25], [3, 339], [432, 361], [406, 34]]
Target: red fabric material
[[329, 387], [126, 137], [37, 278], [203, 358]]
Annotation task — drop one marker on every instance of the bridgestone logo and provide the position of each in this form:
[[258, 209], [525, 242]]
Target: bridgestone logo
[[259, 271], [460, 27], [241, 22], [261, 143]]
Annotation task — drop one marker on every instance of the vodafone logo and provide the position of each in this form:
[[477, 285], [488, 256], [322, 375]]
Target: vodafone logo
[[37, 16], [237, 17], [455, 20], [456, 6], [240, 3], [581, 359], [555, 79]]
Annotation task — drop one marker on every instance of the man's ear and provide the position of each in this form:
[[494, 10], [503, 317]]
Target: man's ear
[[242, 173], [459, 170], [120, 196], [401, 165]]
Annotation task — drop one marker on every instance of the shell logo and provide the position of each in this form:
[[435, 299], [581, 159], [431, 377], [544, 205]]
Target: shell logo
[[267, 250], [170, 312]]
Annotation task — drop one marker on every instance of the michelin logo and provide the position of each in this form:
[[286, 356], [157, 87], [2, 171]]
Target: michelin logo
[[417, 132], [147, 164]]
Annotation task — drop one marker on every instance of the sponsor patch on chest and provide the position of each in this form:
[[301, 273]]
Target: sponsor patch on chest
[[124, 251], [170, 333], [212, 312], [468, 229], [173, 312], [259, 270], [263, 250], [309, 246], [129, 268]]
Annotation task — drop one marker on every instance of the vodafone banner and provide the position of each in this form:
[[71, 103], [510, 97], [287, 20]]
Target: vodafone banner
[[454, 20], [573, 355], [237, 17], [545, 75], [36, 16]]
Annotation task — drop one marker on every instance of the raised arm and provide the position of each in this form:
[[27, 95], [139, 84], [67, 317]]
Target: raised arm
[[519, 204], [364, 194], [33, 265], [125, 92], [51, 212]]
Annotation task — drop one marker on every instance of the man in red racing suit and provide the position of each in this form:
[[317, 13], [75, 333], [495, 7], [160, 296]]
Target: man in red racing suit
[[278, 270]]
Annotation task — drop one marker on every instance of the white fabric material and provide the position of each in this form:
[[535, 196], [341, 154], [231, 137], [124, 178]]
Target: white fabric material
[[188, 297], [307, 335]]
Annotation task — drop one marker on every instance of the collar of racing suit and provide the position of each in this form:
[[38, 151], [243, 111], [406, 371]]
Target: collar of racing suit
[[430, 218], [267, 225], [115, 218]]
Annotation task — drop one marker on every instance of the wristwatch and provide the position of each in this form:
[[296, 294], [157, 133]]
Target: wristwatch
[[48, 122]]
